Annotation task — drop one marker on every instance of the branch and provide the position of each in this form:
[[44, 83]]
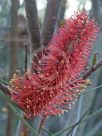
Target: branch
[[49, 22], [92, 70], [32, 23]]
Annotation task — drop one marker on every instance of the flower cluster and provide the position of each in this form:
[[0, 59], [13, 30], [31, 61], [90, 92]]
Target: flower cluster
[[56, 80]]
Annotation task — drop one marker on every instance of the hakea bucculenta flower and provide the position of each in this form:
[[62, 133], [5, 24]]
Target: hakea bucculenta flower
[[56, 81]]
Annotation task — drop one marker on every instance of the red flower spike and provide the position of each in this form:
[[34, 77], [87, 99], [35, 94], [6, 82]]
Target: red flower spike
[[56, 80]]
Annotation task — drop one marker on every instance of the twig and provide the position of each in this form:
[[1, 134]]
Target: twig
[[32, 23], [49, 22], [93, 69]]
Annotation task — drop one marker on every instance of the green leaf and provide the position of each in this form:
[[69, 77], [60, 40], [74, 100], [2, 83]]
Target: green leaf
[[3, 81], [97, 113], [7, 100], [92, 89]]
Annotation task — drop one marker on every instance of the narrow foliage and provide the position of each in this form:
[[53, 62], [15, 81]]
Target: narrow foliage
[[56, 80]]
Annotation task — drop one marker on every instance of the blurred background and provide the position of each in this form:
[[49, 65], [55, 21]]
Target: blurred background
[[14, 36]]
